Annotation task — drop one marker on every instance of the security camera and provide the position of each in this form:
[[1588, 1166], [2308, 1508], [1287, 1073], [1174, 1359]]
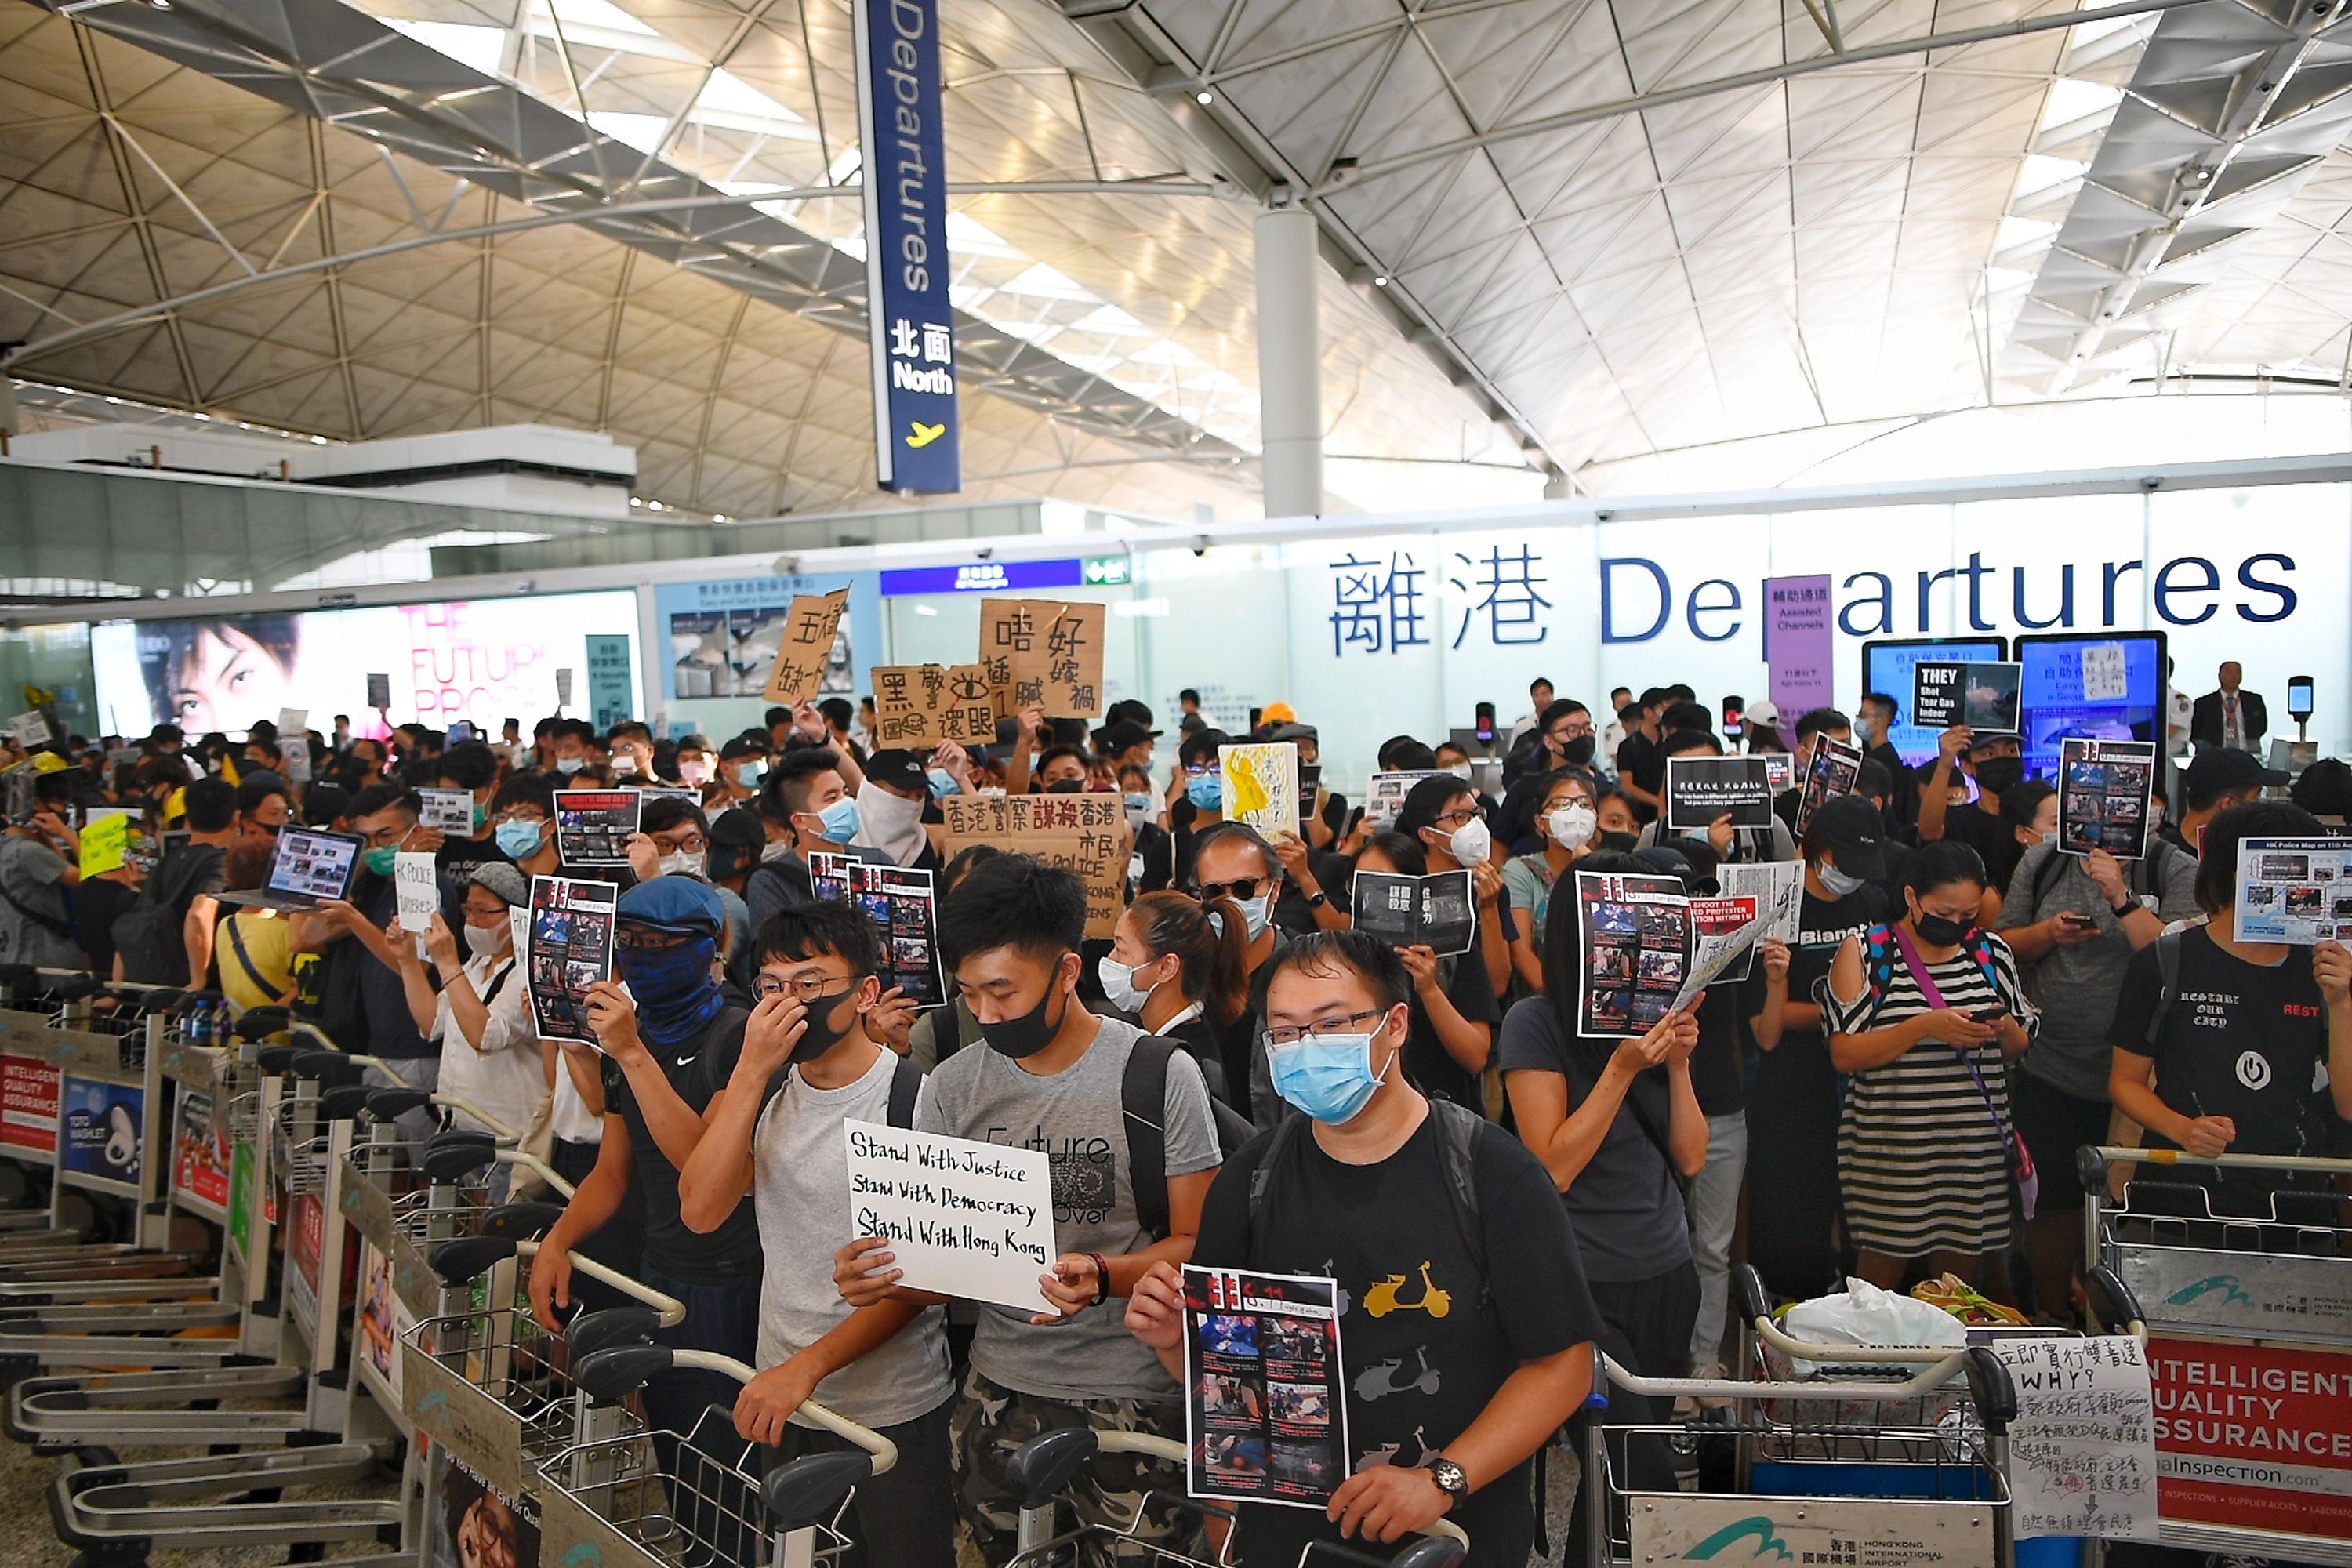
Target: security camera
[[988, 554], [1200, 544], [1602, 516], [787, 566]]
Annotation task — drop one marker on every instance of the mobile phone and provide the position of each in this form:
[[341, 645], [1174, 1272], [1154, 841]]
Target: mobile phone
[[2080, 922], [1987, 1014]]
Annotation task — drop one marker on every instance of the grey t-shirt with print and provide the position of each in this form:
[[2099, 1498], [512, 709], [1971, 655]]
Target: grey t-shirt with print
[[1072, 1118], [800, 1189]]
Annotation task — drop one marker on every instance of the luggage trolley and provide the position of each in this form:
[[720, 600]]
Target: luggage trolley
[[2250, 1348], [637, 1501], [1892, 1468]]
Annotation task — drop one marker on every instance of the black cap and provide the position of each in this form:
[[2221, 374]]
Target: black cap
[[896, 768], [1124, 734], [2218, 770], [1855, 832]]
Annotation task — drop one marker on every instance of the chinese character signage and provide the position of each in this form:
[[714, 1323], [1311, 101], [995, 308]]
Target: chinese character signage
[[910, 321], [918, 705], [1085, 835], [1036, 651], [609, 683], [1799, 648], [805, 647]]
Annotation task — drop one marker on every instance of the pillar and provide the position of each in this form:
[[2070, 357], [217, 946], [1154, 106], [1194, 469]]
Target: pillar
[[1289, 364]]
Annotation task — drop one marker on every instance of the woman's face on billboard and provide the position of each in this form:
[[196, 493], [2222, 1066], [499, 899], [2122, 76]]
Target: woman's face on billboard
[[227, 681]]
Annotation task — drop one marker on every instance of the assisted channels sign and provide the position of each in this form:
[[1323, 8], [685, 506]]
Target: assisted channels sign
[[909, 322]]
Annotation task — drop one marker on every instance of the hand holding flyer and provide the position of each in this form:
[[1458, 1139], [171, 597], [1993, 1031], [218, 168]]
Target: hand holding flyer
[[1266, 1407], [570, 948]]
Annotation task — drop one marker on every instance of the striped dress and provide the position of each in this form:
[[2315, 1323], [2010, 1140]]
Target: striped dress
[[1920, 1162]]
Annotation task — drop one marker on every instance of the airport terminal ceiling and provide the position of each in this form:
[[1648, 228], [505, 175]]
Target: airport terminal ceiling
[[1559, 235]]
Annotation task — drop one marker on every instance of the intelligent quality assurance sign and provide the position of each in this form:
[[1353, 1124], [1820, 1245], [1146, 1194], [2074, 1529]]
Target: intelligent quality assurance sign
[[910, 326]]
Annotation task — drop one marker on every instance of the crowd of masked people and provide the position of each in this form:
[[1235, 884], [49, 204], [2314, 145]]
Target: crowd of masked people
[[1238, 1078]]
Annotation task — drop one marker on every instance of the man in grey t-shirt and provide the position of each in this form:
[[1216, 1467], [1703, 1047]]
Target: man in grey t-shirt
[[1051, 1079]]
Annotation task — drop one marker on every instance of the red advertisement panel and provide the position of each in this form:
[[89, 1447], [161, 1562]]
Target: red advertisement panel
[[2254, 1436], [29, 1103]]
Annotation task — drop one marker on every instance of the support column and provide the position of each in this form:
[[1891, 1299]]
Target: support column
[[1289, 364], [1559, 486]]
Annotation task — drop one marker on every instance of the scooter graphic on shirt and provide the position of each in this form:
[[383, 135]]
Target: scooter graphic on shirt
[[1382, 1299], [1380, 1380]]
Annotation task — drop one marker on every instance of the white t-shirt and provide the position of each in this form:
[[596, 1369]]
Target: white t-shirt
[[571, 1121], [502, 1073], [800, 1189]]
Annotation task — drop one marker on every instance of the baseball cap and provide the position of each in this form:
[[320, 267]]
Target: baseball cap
[[1277, 713], [896, 768], [673, 903], [1293, 732], [502, 879], [2217, 770], [1855, 834], [1764, 713], [1126, 733]]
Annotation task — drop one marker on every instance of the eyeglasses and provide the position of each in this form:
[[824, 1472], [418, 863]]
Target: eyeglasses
[[803, 987], [1291, 1033], [692, 844], [387, 837], [1571, 730], [1240, 890], [1456, 818]]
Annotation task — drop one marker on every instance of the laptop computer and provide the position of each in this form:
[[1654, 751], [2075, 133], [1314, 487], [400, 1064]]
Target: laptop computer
[[311, 868]]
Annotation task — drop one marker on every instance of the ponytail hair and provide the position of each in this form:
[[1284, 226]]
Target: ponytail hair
[[1210, 942]]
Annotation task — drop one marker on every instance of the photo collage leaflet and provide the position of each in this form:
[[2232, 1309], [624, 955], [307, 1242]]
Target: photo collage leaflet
[[1437, 912], [2294, 890], [593, 826], [571, 949], [313, 865], [1830, 772], [2103, 790], [1636, 935], [1724, 933], [1701, 789], [1265, 1409], [903, 906], [1384, 795], [1778, 889], [1983, 695]]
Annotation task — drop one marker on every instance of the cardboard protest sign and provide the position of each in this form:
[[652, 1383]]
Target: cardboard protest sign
[[802, 652], [1041, 651], [1636, 945], [570, 948], [1830, 772], [1981, 695], [450, 810], [2294, 890], [593, 826], [1701, 789], [964, 1219], [1261, 785], [2104, 788], [1074, 661], [917, 706], [1083, 834], [1437, 912], [1265, 1390]]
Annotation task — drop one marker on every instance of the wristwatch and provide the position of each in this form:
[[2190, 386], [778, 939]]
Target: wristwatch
[[2129, 906], [1318, 899], [1450, 1478]]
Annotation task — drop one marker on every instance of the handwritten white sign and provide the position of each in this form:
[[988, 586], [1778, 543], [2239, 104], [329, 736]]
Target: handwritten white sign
[[964, 1218], [2104, 678], [2081, 1452], [414, 885]]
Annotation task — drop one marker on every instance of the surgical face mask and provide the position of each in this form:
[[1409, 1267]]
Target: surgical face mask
[[694, 771], [1840, 885], [840, 820], [1862, 727], [381, 859], [2049, 838], [683, 863], [1206, 791], [1326, 1076], [480, 943], [1033, 1031], [1118, 984], [1940, 930], [1459, 769], [1255, 913], [2001, 774], [570, 764], [623, 764], [1572, 826], [1138, 810], [944, 783], [746, 775], [1470, 842], [519, 838]]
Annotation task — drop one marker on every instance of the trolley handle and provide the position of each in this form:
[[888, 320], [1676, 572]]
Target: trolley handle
[[612, 1372], [1927, 1381], [1851, 1356], [672, 1309], [2228, 1161]]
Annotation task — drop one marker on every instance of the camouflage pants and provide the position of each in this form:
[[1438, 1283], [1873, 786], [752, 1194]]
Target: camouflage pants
[[991, 1422]]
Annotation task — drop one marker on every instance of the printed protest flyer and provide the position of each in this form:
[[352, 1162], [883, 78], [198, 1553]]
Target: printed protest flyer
[[1636, 940], [571, 949], [1701, 789], [1265, 1409], [1830, 772], [1981, 695], [2294, 890], [1437, 912], [2103, 791], [593, 827]]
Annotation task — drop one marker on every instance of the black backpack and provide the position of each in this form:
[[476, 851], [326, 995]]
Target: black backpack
[[151, 936], [906, 1082], [1143, 1102]]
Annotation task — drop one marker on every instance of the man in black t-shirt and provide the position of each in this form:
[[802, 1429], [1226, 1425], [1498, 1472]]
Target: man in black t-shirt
[[1443, 1409], [666, 1053], [1641, 763]]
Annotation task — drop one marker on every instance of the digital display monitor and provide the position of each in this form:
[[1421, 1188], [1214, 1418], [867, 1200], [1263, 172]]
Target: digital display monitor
[[1886, 667], [2124, 700]]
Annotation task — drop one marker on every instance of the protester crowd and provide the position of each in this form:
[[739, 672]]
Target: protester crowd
[[1238, 1078]]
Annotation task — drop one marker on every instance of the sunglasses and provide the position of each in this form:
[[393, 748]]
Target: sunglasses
[[1240, 890]]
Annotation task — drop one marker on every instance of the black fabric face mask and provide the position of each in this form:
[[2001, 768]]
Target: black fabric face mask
[[1578, 753], [2001, 774], [1030, 1032], [1622, 842], [821, 1036], [1941, 930]]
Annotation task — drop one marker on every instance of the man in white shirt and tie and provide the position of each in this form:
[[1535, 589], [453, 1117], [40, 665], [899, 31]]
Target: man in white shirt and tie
[[2231, 717]]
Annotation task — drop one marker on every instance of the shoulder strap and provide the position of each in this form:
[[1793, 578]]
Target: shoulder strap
[[1878, 955], [1277, 1148], [244, 959], [498, 982], [906, 1082], [2167, 983], [1457, 1129], [2053, 866], [50, 924], [1979, 947], [1143, 1103]]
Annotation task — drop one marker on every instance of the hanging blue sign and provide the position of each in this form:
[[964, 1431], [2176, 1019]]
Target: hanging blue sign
[[983, 577], [910, 325]]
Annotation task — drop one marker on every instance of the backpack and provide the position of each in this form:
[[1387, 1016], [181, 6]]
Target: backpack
[[906, 1082], [151, 936], [1879, 953], [1458, 1129], [1143, 1103], [2141, 870], [2167, 985]]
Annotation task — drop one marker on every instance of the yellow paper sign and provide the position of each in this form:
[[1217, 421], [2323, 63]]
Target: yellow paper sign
[[103, 845]]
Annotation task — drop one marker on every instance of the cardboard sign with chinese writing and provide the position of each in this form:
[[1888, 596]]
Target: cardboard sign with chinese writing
[[1085, 835], [1036, 650], [918, 705], [807, 642]]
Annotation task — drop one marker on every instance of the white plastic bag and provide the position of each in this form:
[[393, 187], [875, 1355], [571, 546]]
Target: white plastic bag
[[1864, 1316]]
